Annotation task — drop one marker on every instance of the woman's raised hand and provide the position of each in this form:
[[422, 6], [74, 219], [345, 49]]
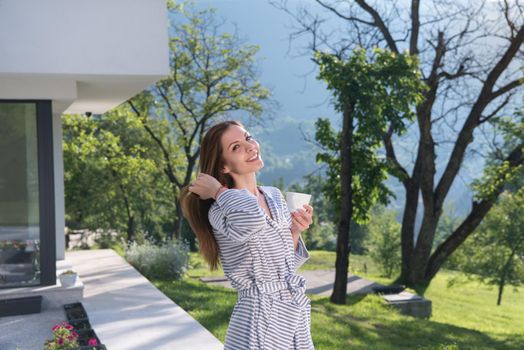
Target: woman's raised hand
[[301, 219], [204, 186]]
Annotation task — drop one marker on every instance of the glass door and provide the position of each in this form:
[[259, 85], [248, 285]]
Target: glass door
[[19, 196]]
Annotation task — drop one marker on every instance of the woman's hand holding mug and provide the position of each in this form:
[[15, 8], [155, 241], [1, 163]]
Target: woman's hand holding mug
[[301, 219], [205, 186]]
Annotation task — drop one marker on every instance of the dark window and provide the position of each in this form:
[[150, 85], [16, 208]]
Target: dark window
[[27, 215]]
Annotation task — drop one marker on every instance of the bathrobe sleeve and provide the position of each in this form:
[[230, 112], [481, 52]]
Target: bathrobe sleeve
[[237, 214]]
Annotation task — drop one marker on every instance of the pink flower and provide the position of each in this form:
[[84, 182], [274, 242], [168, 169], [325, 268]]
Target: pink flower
[[74, 334], [60, 341], [55, 327], [92, 341]]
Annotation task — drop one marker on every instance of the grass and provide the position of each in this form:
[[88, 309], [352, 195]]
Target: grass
[[464, 314], [364, 323], [467, 304], [472, 305]]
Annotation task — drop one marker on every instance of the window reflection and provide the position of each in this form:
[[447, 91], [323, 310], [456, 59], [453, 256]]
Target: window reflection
[[19, 196]]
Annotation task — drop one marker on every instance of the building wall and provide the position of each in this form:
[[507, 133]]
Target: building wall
[[84, 56], [59, 187], [95, 37]]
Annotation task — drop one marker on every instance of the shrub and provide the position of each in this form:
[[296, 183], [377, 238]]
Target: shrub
[[384, 240], [321, 236], [169, 260]]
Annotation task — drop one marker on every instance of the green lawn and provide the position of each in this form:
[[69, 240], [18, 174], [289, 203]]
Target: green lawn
[[464, 314]]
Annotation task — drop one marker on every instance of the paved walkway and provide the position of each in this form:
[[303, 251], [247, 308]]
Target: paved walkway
[[317, 282], [126, 311]]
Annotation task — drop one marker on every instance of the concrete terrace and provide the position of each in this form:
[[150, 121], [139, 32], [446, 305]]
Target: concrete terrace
[[126, 311]]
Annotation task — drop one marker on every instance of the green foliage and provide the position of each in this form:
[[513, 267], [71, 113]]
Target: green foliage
[[212, 72], [213, 76], [166, 261], [111, 176], [494, 253], [441, 347], [499, 173], [447, 224], [383, 240], [380, 90], [322, 233]]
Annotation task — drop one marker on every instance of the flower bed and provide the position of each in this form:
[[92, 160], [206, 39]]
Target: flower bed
[[76, 333]]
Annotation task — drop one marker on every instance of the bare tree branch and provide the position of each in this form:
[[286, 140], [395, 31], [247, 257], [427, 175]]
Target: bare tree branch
[[465, 135], [506, 88], [379, 23], [415, 27]]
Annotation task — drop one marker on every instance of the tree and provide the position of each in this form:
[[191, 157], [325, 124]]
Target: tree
[[384, 240], [371, 91], [469, 53], [110, 177], [494, 253], [212, 75]]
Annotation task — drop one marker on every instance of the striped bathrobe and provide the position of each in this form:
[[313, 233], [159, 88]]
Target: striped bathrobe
[[258, 257]]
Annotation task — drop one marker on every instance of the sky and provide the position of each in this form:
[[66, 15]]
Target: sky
[[290, 76], [286, 68]]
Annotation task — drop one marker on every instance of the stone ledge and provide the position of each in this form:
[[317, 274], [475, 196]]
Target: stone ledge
[[410, 304], [52, 296]]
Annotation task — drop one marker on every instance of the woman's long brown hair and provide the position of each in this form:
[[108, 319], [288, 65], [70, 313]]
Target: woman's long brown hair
[[194, 209]]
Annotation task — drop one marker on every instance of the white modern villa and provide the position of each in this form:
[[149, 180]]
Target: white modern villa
[[56, 57]]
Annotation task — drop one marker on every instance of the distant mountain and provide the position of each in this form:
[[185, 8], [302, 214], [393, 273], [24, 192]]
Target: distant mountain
[[303, 99], [284, 151], [288, 156]]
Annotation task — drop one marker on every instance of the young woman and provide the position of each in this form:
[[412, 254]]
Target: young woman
[[249, 229]]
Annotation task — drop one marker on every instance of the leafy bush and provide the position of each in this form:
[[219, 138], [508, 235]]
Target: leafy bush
[[384, 240], [321, 236], [167, 261]]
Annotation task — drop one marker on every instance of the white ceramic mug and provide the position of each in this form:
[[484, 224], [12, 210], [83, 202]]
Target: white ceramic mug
[[296, 200]]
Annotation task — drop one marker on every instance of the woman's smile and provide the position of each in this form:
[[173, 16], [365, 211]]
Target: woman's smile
[[254, 158]]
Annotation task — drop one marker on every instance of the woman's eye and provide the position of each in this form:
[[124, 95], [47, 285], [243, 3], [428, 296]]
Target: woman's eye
[[247, 138]]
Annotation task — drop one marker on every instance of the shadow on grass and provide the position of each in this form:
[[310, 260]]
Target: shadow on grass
[[366, 323], [210, 305]]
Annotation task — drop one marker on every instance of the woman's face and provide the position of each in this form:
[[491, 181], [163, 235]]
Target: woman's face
[[240, 151]]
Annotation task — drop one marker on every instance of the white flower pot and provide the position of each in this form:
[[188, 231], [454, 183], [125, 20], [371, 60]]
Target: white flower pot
[[68, 280]]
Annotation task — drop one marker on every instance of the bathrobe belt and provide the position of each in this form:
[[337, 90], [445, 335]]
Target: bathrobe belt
[[295, 284]]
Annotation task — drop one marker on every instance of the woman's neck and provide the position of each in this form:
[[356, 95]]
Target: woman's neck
[[249, 183]]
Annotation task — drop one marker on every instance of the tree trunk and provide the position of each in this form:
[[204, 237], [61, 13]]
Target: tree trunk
[[130, 220], [177, 222], [346, 208], [130, 228], [501, 289], [408, 230], [505, 273]]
